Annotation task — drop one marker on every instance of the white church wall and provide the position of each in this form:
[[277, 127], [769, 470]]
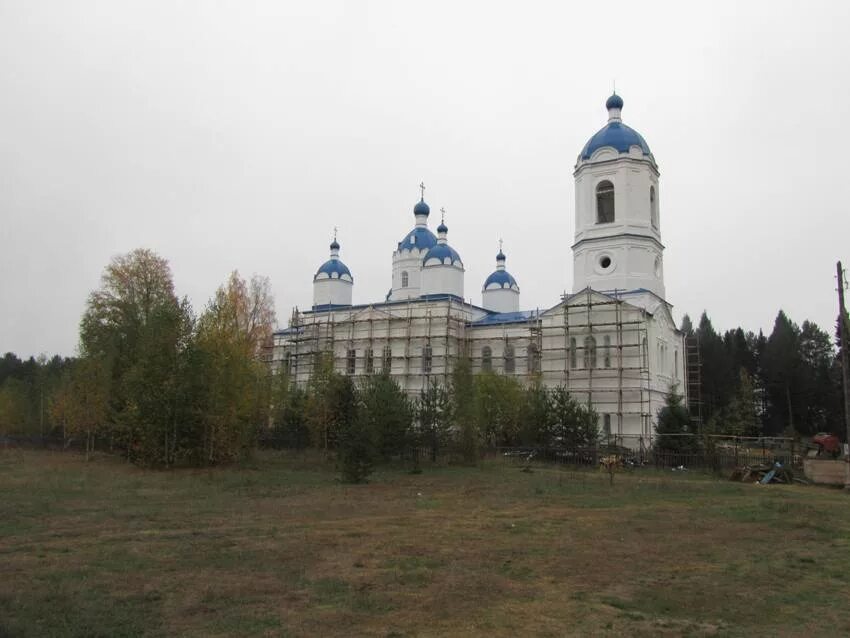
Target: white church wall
[[442, 280], [409, 261], [331, 291], [500, 299]]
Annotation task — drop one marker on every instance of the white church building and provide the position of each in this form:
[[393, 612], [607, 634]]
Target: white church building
[[612, 342]]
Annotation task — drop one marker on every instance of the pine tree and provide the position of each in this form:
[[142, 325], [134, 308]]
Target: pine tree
[[674, 422], [433, 412], [463, 410], [573, 425]]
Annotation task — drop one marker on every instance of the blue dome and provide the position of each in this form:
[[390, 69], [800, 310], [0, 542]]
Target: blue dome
[[441, 252], [614, 102], [442, 228], [617, 135], [500, 256], [334, 245], [419, 238], [422, 208], [332, 266], [501, 277]]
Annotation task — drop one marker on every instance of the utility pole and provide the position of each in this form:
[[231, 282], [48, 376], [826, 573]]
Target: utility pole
[[845, 366]]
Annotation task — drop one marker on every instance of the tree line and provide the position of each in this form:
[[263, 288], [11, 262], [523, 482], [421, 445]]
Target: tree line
[[165, 387], [373, 420], [788, 382]]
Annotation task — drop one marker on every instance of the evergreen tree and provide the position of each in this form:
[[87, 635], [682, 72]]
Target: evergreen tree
[[463, 410], [433, 412], [497, 400], [355, 434], [673, 422], [386, 411], [535, 423], [573, 425]]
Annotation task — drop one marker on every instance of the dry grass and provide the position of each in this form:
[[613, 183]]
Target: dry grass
[[279, 548]]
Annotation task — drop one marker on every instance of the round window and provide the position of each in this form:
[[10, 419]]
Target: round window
[[605, 262]]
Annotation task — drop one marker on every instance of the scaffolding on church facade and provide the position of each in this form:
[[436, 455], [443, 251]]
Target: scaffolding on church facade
[[593, 345]]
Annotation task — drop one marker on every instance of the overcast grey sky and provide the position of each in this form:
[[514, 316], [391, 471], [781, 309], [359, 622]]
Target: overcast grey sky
[[235, 135]]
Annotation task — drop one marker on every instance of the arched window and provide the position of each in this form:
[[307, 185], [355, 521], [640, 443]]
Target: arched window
[[388, 358], [404, 279], [533, 358], [510, 364], [606, 341], [286, 367], [653, 207], [644, 354], [351, 361], [604, 202], [675, 365], [590, 353], [573, 354], [486, 358], [369, 356], [427, 356], [606, 425]]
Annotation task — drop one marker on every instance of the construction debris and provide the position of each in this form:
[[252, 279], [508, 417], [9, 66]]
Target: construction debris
[[763, 474]]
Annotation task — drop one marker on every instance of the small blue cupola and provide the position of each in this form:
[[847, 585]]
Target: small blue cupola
[[333, 268], [442, 267], [500, 292], [615, 134], [333, 281]]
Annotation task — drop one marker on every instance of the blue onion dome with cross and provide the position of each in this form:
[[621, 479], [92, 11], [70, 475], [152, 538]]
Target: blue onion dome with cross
[[421, 237], [333, 268], [500, 278], [615, 134], [442, 253]]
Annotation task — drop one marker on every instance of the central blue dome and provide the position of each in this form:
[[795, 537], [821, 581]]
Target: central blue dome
[[420, 238]]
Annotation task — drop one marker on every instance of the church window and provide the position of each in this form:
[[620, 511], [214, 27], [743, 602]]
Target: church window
[[644, 354], [487, 358], [607, 352], [675, 364], [606, 425], [286, 368], [351, 361], [573, 354], [388, 358], [369, 356], [427, 357], [510, 363], [604, 202], [653, 207], [590, 353], [605, 262], [533, 358], [404, 279]]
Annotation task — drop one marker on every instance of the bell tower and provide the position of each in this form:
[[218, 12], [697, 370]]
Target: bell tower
[[617, 226]]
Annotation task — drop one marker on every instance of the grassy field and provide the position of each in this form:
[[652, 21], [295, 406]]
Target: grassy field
[[278, 548]]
